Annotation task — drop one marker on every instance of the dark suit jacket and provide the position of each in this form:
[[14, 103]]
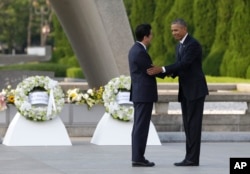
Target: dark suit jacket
[[143, 86], [188, 66]]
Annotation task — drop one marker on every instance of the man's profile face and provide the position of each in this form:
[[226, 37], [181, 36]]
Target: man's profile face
[[148, 38], [178, 31]]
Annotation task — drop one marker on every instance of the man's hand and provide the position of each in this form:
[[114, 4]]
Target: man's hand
[[154, 70]]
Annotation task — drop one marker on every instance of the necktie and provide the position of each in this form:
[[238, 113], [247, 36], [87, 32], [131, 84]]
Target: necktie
[[180, 48]]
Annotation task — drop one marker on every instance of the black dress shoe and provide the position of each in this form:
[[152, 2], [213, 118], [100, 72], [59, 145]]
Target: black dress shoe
[[186, 163], [145, 163]]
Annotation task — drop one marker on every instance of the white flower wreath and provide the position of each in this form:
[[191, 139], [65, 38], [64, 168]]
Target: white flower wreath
[[39, 112], [111, 90]]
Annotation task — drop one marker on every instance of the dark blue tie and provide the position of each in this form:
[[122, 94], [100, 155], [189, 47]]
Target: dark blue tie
[[180, 48]]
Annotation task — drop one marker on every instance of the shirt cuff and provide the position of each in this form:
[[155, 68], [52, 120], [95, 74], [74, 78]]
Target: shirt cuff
[[163, 69]]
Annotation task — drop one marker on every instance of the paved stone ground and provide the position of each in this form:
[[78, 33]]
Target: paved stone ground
[[84, 157]]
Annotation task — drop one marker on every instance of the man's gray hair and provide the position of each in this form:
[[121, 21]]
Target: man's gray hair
[[180, 22]]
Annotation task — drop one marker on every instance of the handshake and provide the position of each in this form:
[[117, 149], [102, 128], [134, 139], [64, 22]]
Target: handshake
[[159, 71], [154, 70]]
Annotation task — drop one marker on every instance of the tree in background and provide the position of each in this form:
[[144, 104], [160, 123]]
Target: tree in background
[[204, 17], [63, 52], [39, 25], [236, 59], [211, 64], [141, 12], [22, 23], [158, 48], [13, 23], [222, 27]]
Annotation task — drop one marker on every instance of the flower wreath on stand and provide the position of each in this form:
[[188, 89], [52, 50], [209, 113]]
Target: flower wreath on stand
[[116, 103], [39, 98]]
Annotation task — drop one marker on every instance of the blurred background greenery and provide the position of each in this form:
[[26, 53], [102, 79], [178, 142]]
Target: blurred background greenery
[[221, 26]]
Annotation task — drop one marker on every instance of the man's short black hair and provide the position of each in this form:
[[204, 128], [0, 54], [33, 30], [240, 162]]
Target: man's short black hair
[[142, 30]]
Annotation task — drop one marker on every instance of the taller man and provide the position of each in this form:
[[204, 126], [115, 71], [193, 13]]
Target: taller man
[[192, 88]]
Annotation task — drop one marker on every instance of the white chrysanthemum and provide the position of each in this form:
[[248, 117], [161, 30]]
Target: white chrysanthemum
[[52, 83], [85, 96], [90, 92], [73, 95]]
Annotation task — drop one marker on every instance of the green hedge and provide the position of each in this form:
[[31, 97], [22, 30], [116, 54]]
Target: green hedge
[[75, 73], [59, 70]]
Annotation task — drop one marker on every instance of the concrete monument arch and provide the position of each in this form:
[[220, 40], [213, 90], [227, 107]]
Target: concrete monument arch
[[100, 35]]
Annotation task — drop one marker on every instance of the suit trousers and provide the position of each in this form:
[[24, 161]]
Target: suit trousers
[[142, 117], [192, 114]]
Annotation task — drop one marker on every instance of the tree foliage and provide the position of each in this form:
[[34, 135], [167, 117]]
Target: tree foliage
[[142, 13], [13, 23], [213, 61], [221, 26], [236, 59], [159, 30], [205, 23]]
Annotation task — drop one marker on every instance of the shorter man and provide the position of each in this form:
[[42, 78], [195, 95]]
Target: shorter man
[[143, 94]]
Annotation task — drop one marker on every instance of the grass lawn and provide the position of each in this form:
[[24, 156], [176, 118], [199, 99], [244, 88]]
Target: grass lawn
[[210, 79]]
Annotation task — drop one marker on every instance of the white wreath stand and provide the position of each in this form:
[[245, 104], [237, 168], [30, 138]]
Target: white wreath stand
[[23, 132], [110, 131]]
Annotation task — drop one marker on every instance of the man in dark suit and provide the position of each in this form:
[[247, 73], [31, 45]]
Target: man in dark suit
[[192, 88], [143, 93]]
